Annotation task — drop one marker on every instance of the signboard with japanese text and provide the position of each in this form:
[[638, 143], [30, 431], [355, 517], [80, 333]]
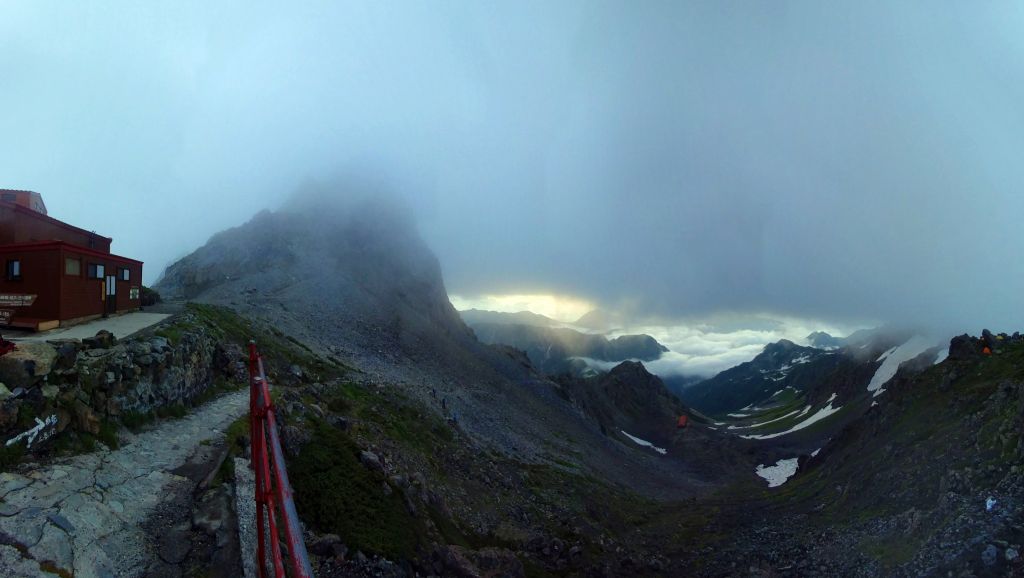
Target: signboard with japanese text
[[16, 299]]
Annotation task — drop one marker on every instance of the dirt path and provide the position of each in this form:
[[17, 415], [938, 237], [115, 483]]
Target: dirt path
[[87, 514]]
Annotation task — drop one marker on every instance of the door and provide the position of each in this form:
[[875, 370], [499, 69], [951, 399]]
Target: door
[[111, 294]]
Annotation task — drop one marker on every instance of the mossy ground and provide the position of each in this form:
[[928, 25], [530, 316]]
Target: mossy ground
[[336, 493]]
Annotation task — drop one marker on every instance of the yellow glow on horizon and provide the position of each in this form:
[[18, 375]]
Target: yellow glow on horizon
[[558, 307]]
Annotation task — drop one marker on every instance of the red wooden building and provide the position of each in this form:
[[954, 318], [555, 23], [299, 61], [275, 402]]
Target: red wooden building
[[57, 274]]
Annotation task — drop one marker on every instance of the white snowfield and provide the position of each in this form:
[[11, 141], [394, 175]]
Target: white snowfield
[[645, 443], [943, 354], [779, 473], [795, 412], [892, 359], [818, 416]]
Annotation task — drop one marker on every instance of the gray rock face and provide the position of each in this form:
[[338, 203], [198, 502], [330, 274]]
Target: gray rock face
[[385, 284]]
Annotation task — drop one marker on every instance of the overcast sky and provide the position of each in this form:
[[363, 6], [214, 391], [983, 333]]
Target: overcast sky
[[844, 162]]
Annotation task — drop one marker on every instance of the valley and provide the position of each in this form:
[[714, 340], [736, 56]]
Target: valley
[[416, 448]]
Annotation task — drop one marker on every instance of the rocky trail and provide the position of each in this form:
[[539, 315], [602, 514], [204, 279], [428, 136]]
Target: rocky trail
[[127, 512]]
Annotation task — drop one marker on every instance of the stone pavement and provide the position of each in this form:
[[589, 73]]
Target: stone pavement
[[84, 514], [120, 325]]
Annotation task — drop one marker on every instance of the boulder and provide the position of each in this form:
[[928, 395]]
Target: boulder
[[140, 348], [102, 340], [9, 413], [160, 344], [989, 555], [27, 364], [989, 339], [293, 438], [324, 545], [964, 347], [67, 352], [85, 418], [371, 461]]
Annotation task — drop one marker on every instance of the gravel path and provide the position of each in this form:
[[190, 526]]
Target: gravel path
[[84, 514]]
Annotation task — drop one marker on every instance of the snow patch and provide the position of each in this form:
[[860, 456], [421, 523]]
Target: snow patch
[[645, 443], [815, 453], [943, 354], [818, 416], [738, 415], [790, 414], [914, 346], [779, 473]]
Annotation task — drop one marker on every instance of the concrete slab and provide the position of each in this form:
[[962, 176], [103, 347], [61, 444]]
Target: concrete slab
[[121, 326]]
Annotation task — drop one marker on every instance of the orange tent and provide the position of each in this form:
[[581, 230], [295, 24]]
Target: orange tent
[[986, 351], [683, 420]]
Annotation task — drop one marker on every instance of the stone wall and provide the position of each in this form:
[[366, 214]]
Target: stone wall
[[85, 383]]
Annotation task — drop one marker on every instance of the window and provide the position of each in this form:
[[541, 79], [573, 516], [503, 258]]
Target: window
[[96, 271], [126, 274], [72, 266], [13, 269]]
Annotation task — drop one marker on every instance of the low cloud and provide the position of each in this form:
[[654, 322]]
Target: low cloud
[[704, 347]]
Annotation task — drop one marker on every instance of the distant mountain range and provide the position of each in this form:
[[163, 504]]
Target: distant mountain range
[[823, 340], [480, 316]]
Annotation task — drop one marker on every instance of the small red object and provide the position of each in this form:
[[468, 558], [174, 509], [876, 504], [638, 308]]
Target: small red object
[[6, 346]]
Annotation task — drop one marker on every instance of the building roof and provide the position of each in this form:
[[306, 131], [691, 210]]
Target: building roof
[[47, 245], [32, 194], [36, 214]]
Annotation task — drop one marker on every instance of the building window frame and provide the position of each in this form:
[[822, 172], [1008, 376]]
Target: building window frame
[[78, 266], [14, 269], [124, 274], [97, 271]]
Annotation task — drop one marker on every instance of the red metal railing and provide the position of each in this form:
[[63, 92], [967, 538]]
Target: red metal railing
[[272, 487]]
